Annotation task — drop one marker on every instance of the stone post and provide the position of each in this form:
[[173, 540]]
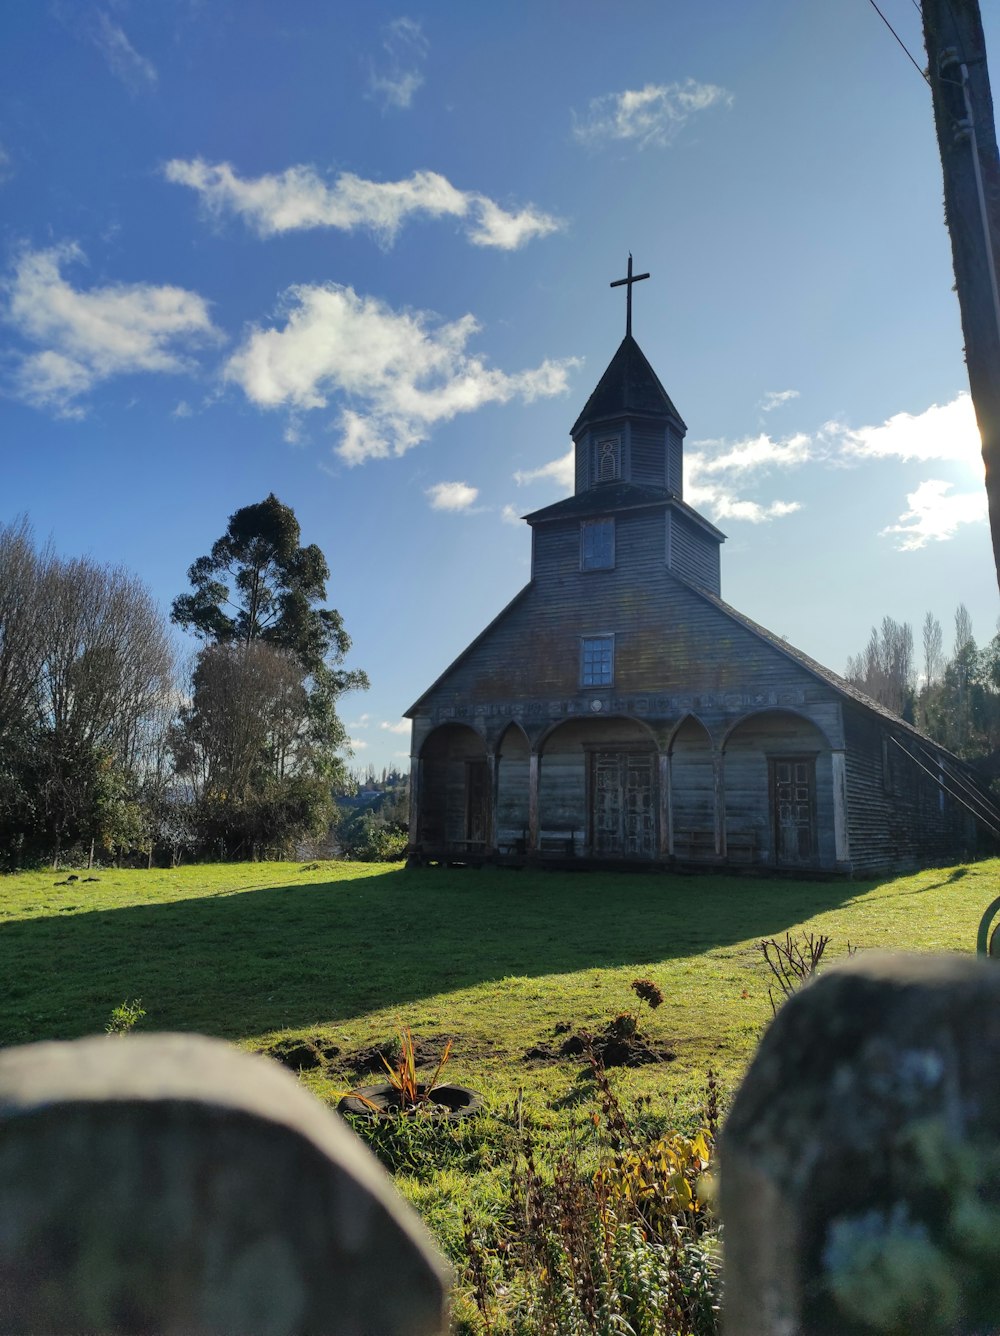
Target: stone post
[[173, 1184], [860, 1163]]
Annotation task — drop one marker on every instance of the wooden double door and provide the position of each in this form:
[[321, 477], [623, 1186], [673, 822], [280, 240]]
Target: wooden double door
[[793, 808], [623, 803]]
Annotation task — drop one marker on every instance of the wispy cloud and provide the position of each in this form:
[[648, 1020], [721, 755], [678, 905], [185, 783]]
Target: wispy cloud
[[510, 515], [6, 165], [775, 398], [649, 117], [935, 516], [398, 374], [299, 198], [403, 726], [357, 744], [136, 72], [406, 50], [87, 336], [451, 496], [363, 722], [561, 471]]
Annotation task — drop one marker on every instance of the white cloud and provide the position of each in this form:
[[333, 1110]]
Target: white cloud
[[89, 336], [561, 471], [135, 71], [943, 431], [406, 47], [775, 398], [182, 410], [509, 515], [6, 165], [399, 374], [363, 722], [451, 495], [402, 727], [651, 117], [299, 198], [935, 516], [357, 744]]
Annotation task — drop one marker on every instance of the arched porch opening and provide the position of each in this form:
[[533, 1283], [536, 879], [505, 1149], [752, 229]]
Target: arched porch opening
[[513, 772], [692, 791], [779, 789], [598, 789], [454, 790]]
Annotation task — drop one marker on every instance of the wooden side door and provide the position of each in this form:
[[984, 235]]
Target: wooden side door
[[793, 808], [476, 801], [606, 803], [640, 805]]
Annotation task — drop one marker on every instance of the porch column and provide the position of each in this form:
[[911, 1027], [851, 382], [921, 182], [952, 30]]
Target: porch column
[[666, 808], [534, 770], [493, 773], [416, 765], [719, 783], [842, 851]]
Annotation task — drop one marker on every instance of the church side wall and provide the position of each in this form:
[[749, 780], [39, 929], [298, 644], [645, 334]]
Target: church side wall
[[648, 454], [898, 817]]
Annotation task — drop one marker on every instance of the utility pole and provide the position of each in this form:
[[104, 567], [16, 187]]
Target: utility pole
[[963, 118]]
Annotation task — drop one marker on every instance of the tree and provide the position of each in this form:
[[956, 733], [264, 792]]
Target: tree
[[257, 583], [85, 671], [259, 742], [884, 668], [933, 650]]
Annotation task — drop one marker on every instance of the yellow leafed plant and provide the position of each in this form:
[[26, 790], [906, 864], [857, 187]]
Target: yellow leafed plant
[[661, 1180]]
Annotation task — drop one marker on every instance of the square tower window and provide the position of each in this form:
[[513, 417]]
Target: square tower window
[[597, 661], [597, 545], [609, 459]]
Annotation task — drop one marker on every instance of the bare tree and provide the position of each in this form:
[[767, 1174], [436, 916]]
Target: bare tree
[[24, 587], [884, 668], [933, 650]]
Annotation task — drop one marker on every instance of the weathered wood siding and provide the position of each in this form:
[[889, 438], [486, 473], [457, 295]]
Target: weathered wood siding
[[675, 461], [693, 554], [692, 781], [443, 782], [648, 454], [898, 817], [512, 787]]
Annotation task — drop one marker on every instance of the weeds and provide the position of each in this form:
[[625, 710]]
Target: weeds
[[125, 1017], [628, 1247]]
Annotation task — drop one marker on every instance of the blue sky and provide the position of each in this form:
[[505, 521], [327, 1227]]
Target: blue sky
[[359, 255]]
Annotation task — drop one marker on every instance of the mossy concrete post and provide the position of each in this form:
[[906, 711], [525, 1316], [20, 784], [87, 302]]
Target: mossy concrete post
[[860, 1163], [172, 1184]]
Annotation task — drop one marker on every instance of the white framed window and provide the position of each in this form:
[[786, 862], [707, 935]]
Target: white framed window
[[609, 459], [597, 661], [597, 545]]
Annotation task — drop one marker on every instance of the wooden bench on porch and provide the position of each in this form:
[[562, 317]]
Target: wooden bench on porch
[[694, 843]]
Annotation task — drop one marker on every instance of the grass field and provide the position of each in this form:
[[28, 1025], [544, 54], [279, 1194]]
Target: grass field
[[348, 953]]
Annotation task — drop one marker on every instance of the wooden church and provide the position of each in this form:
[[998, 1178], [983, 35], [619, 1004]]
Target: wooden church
[[618, 712]]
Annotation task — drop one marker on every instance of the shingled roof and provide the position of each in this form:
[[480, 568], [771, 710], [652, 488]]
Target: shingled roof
[[617, 496], [630, 385]]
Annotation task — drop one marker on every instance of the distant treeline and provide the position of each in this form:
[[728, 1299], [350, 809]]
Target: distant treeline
[[954, 699]]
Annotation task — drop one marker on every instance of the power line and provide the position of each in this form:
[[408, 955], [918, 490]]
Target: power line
[[899, 40]]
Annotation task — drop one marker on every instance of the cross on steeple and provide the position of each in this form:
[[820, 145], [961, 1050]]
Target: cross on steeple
[[628, 293]]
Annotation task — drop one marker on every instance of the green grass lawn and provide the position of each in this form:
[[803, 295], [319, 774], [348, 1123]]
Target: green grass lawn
[[349, 953]]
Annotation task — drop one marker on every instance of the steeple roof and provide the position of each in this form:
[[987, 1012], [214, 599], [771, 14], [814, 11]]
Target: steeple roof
[[629, 386]]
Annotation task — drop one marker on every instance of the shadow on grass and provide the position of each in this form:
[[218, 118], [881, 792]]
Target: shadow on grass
[[300, 955]]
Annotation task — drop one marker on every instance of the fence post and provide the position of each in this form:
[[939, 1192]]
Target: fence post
[[172, 1183], [860, 1163]]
